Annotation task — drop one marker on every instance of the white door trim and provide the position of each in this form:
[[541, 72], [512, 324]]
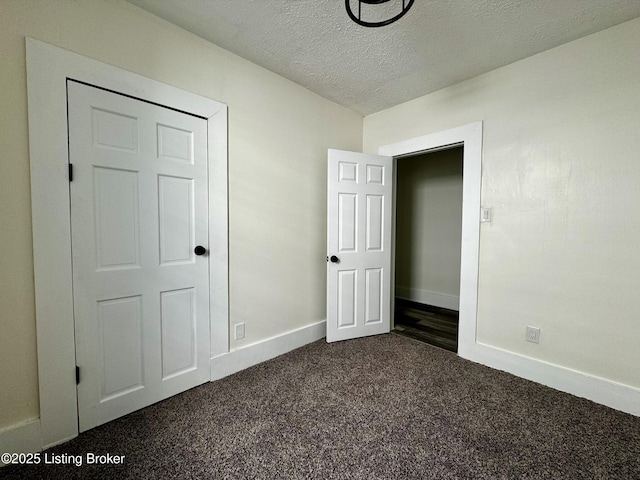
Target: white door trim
[[471, 136], [48, 68]]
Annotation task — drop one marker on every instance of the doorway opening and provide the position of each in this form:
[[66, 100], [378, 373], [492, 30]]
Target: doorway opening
[[428, 241], [469, 136]]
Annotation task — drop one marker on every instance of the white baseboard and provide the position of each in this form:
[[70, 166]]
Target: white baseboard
[[247, 356], [605, 392], [23, 437], [441, 300], [600, 390], [26, 436]]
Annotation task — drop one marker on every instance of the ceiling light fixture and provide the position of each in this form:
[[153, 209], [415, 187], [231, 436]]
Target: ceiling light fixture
[[406, 5]]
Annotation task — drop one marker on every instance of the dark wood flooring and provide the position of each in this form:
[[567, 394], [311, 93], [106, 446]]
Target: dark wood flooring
[[433, 325]]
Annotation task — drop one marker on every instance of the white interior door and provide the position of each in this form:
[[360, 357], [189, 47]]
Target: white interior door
[[138, 210], [358, 244]]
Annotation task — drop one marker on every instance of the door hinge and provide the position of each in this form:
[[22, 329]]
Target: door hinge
[[77, 375], [71, 172]]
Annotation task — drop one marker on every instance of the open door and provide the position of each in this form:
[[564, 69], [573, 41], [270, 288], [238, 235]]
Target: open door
[[359, 197]]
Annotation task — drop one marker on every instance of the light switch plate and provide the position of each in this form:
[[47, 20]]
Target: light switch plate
[[485, 215]]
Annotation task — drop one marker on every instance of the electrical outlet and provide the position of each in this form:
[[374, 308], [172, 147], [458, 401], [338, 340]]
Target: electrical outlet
[[533, 334], [239, 332]]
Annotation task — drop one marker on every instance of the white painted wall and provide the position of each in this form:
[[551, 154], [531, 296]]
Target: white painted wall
[[279, 134], [561, 171], [429, 226]]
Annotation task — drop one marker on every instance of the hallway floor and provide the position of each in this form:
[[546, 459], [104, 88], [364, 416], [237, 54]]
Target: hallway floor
[[433, 325]]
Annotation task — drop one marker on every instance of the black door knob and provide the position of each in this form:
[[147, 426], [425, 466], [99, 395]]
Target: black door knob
[[334, 259], [199, 250]]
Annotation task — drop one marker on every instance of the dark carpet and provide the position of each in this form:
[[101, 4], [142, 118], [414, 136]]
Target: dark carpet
[[383, 407]]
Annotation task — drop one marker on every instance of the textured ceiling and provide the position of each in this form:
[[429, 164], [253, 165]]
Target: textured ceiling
[[438, 43]]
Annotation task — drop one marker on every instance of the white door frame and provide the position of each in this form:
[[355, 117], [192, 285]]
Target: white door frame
[[470, 136], [48, 69]]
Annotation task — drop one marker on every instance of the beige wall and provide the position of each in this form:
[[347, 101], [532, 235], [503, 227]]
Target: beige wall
[[429, 222], [561, 170], [279, 133]]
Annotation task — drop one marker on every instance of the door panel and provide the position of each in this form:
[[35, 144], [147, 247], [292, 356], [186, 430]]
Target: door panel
[[117, 217], [139, 206], [176, 215], [375, 223], [359, 235], [348, 222], [178, 331], [121, 352], [374, 295], [347, 298]]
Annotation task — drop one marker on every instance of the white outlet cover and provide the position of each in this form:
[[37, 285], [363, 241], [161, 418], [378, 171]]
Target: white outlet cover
[[239, 331], [485, 215], [533, 334]]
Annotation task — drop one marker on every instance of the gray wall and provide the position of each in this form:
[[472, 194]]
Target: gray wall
[[560, 170], [429, 223]]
